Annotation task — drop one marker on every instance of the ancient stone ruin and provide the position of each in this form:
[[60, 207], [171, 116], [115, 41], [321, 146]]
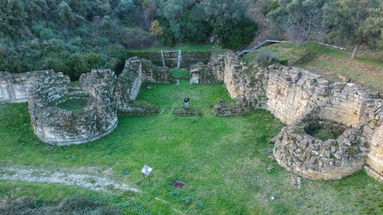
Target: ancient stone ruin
[[333, 129], [200, 74], [306, 102], [60, 126], [16, 88], [62, 114], [129, 82]]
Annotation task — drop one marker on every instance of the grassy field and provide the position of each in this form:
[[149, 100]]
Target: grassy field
[[331, 63], [224, 162]]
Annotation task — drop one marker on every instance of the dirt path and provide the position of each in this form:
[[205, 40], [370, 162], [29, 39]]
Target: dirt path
[[70, 177]]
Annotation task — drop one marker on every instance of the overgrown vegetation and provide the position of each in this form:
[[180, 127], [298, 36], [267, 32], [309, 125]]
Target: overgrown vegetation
[[223, 160], [343, 22], [57, 198], [74, 37], [265, 58], [69, 205], [331, 63], [324, 129]]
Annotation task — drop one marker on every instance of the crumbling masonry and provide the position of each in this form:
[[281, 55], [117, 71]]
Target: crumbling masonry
[[104, 93], [300, 98]]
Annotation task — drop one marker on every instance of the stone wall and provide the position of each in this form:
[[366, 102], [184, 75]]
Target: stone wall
[[225, 108], [16, 87], [155, 74], [129, 83], [187, 59], [55, 106], [190, 58], [200, 74], [59, 126], [243, 84], [373, 130], [311, 157], [292, 94]]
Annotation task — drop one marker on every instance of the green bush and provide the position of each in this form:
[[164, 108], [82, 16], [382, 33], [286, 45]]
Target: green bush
[[69, 205], [271, 5], [266, 58], [167, 38], [239, 34], [77, 64]]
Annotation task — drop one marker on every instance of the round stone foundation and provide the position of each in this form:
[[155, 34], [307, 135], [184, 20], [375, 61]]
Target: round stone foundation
[[320, 149], [64, 115]]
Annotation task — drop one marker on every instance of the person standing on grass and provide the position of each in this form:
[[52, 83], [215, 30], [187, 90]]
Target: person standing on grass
[[186, 102]]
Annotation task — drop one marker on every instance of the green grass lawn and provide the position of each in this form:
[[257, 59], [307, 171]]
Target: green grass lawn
[[223, 160], [330, 63]]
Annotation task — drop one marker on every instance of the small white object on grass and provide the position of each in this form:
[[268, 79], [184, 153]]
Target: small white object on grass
[[146, 170], [272, 198]]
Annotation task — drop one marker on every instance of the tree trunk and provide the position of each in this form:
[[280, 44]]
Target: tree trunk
[[355, 51]]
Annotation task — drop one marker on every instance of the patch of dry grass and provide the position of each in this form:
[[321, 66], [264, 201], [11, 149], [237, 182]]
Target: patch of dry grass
[[337, 69]]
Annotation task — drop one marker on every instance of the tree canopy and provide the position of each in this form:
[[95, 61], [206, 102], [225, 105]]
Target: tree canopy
[[345, 22], [355, 22]]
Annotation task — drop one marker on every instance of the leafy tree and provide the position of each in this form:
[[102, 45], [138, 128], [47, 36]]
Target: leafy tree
[[155, 28], [227, 20], [65, 15], [13, 17], [126, 11], [39, 10], [355, 22], [300, 19]]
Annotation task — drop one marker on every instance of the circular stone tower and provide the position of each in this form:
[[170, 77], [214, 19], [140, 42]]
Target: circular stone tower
[[62, 114]]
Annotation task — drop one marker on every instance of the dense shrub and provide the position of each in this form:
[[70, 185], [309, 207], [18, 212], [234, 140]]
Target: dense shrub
[[241, 33], [265, 58], [167, 38], [222, 22], [270, 6], [69, 205], [77, 64], [73, 37]]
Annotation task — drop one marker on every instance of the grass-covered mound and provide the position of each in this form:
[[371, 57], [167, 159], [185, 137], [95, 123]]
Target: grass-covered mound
[[225, 162]]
